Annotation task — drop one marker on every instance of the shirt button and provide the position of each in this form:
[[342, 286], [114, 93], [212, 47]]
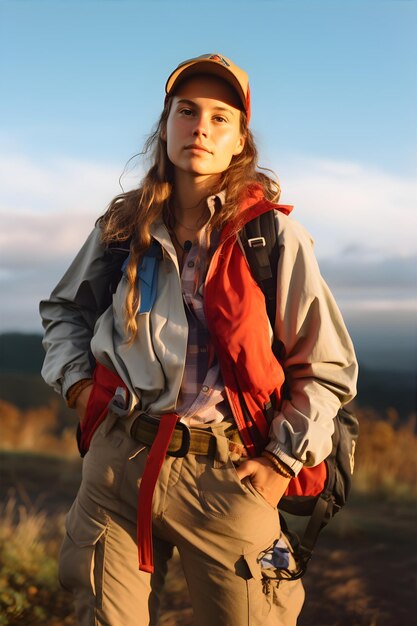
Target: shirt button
[[190, 263], [205, 388]]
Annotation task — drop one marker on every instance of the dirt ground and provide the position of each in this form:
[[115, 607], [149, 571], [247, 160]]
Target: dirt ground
[[363, 572]]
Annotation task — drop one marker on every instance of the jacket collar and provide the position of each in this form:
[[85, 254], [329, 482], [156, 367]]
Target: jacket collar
[[253, 195]]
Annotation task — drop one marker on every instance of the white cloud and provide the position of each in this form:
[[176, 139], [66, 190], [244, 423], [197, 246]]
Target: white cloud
[[368, 305], [346, 205], [47, 210], [359, 217], [57, 185]]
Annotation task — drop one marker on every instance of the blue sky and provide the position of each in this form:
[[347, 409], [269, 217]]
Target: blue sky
[[334, 78], [334, 93]]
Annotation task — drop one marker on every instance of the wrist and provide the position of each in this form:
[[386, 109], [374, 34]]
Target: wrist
[[279, 466], [75, 390]]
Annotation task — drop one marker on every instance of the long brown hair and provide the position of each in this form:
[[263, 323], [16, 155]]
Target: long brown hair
[[131, 214]]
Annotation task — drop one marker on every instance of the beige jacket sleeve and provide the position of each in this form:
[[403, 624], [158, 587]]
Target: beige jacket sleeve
[[319, 359]]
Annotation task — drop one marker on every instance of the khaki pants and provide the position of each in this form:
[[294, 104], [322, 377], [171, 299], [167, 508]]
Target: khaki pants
[[218, 523]]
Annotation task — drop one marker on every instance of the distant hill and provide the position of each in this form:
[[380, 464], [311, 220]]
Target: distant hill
[[383, 389], [21, 353], [21, 358]]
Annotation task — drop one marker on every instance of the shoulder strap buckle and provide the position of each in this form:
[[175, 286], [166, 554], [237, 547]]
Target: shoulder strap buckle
[[257, 242]]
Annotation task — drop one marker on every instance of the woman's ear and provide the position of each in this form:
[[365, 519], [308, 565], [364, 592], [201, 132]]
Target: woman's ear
[[163, 133], [240, 144]]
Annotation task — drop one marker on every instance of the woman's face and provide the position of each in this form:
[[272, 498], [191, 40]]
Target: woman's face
[[203, 127]]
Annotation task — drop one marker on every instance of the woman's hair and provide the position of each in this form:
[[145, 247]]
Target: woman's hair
[[130, 214]]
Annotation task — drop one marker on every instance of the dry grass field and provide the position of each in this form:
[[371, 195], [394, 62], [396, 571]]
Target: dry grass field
[[363, 572]]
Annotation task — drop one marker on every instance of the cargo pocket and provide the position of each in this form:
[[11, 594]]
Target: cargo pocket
[[81, 560], [259, 598], [286, 599], [285, 596]]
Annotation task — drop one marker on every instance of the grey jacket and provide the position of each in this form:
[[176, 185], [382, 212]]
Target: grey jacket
[[320, 363]]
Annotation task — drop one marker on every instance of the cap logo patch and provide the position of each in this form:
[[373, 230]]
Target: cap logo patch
[[217, 57]]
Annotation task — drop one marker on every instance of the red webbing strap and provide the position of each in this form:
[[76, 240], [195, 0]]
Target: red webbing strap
[[105, 384], [153, 466]]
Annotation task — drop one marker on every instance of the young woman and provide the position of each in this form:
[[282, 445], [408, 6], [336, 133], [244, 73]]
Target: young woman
[[173, 375]]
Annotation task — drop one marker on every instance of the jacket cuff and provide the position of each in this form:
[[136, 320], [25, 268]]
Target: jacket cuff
[[294, 465], [70, 379]]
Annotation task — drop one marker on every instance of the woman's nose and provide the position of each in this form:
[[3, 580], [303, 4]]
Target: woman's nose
[[200, 127]]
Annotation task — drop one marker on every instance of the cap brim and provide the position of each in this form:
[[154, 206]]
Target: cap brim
[[205, 67]]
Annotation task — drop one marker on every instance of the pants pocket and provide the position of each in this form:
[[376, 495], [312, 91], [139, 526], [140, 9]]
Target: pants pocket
[[81, 560], [256, 494], [223, 494], [105, 464]]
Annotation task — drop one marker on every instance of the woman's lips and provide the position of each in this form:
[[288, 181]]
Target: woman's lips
[[194, 146]]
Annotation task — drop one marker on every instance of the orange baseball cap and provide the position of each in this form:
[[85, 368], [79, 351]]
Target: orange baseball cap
[[217, 65]]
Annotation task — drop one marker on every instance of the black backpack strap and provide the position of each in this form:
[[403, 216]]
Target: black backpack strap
[[303, 548], [319, 518], [117, 252], [259, 239]]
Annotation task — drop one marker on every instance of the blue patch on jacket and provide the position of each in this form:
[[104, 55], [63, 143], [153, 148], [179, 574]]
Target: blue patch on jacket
[[147, 276]]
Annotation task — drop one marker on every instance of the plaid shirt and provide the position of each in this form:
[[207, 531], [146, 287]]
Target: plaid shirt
[[202, 396]]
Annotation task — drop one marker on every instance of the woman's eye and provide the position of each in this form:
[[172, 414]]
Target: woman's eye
[[221, 119], [186, 112]]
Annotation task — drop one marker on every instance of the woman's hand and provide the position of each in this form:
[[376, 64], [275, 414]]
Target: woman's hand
[[82, 401], [264, 478]]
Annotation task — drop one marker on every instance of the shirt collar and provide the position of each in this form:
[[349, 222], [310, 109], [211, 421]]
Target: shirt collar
[[216, 201]]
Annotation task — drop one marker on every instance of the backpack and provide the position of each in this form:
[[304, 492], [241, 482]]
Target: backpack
[[259, 240]]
